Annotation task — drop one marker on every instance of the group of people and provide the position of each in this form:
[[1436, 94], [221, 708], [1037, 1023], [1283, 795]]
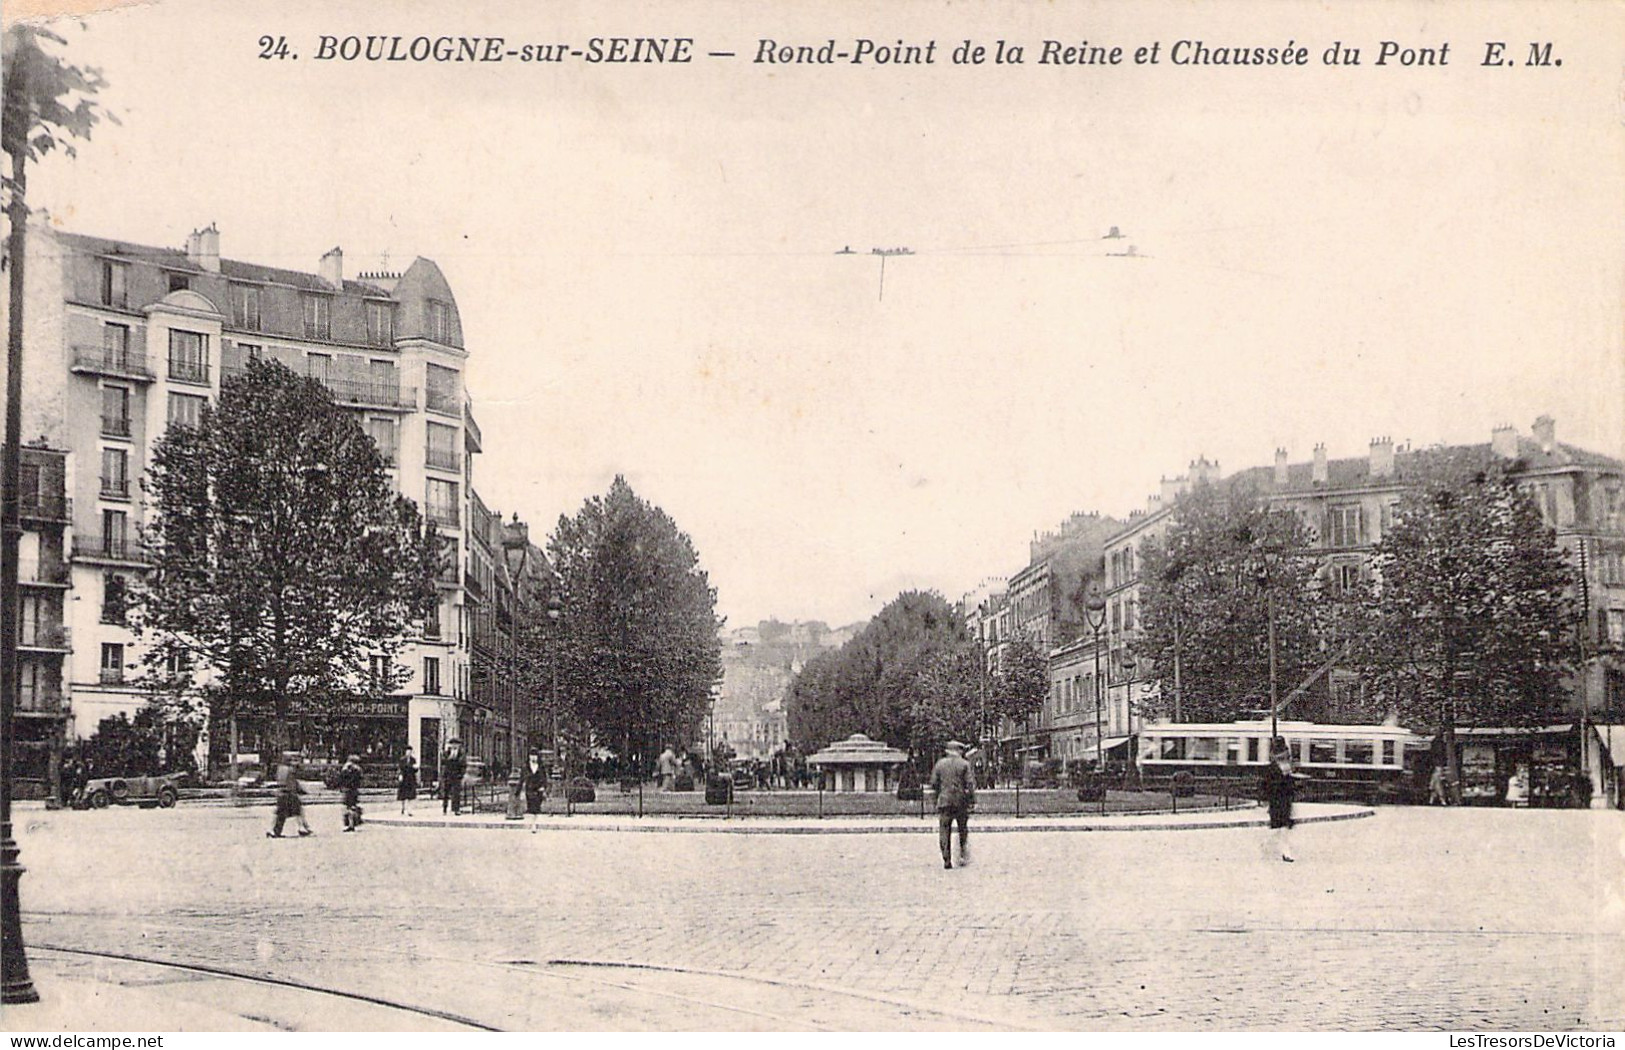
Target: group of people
[[953, 783]]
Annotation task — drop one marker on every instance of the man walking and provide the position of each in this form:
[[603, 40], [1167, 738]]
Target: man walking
[[954, 783]]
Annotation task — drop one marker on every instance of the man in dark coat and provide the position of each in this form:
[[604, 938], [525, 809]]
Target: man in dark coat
[[349, 783], [452, 767], [1279, 788], [954, 783]]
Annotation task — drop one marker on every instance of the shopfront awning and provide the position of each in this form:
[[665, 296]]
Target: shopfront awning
[[1115, 742]]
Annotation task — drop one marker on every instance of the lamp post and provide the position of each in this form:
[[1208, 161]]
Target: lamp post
[[1095, 612], [1129, 667], [1266, 583], [555, 609]]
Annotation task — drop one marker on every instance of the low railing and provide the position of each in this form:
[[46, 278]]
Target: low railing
[[118, 548], [116, 488], [42, 506], [444, 402], [127, 364], [46, 638], [182, 371], [43, 572], [40, 701], [116, 426], [442, 459], [111, 676]]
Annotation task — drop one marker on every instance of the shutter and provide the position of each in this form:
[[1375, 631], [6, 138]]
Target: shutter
[[1602, 627]]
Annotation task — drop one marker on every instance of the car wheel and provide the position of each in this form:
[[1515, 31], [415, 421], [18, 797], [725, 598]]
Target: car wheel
[[166, 798], [120, 789], [99, 799]]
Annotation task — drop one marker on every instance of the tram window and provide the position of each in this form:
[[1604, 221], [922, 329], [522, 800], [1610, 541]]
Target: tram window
[[1204, 749], [1252, 749], [1322, 751], [1388, 753], [1232, 751], [1173, 747], [1358, 752]]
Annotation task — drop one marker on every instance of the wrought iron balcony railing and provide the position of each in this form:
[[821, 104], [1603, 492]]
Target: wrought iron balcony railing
[[100, 360]]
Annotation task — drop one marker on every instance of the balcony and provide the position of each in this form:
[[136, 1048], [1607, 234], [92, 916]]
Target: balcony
[[442, 459], [184, 371], [91, 547], [116, 488], [446, 516], [55, 639], [369, 394], [39, 702], [43, 574], [116, 426], [111, 676], [43, 506], [121, 364]]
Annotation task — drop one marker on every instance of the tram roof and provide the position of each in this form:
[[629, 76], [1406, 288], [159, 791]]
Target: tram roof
[[1282, 728]]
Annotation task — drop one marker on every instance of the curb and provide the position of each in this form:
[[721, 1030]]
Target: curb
[[834, 826]]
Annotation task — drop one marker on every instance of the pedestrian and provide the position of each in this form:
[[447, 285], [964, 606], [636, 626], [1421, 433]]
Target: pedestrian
[[1436, 792], [349, 780], [406, 789], [1280, 786], [288, 804], [535, 787], [666, 767], [954, 783], [452, 767]]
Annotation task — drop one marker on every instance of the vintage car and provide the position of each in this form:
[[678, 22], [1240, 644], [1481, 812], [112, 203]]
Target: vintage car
[[146, 792]]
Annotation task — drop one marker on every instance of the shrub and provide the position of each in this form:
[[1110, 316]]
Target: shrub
[[581, 790]]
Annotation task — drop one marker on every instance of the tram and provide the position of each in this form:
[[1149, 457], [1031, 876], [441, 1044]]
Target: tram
[[1361, 756]]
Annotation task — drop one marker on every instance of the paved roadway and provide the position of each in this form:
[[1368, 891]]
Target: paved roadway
[[1415, 919]]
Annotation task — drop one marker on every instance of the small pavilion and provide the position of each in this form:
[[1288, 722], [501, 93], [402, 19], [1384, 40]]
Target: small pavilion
[[859, 764]]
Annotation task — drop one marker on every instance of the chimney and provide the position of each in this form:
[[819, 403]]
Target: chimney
[[1504, 441], [332, 270], [203, 247], [1153, 504], [1545, 431], [1319, 473], [1382, 457], [1280, 468], [1203, 471], [1171, 488]]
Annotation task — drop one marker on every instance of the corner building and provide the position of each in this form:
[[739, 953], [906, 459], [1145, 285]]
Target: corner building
[[122, 339]]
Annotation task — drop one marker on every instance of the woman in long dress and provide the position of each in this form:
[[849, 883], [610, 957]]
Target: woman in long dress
[[407, 789], [1280, 787]]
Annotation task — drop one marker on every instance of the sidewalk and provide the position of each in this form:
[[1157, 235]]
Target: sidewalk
[[1253, 816]]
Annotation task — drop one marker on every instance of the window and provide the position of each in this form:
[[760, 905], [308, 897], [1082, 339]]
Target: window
[[1359, 752], [439, 321], [115, 279], [431, 675], [28, 623], [114, 598], [443, 508], [177, 665], [245, 306], [386, 384], [1346, 526], [1173, 747], [116, 473], [186, 409], [382, 431], [251, 352], [442, 451], [380, 322], [116, 346], [1616, 627], [1345, 578], [440, 391], [115, 533], [318, 317], [112, 662], [319, 367], [179, 282], [431, 622], [188, 356], [378, 673], [1322, 751], [116, 411], [1389, 751]]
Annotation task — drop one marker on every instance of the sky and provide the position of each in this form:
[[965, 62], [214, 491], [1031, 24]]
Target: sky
[[645, 256]]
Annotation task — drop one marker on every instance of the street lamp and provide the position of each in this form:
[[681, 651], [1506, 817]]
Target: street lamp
[[1129, 667], [1266, 584], [1094, 608], [555, 609]]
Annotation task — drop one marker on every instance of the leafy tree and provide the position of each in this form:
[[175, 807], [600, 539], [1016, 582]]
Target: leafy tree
[[1469, 613], [1022, 681], [48, 102], [638, 647], [886, 677], [148, 744], [1226, 559], [282, 558], [949, 701]]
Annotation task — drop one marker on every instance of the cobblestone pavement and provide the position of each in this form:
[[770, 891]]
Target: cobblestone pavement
[[1414, 919]]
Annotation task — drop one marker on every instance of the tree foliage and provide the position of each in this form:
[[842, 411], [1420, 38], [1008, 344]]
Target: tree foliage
[[638, 647], [900, 679], [1022, 680], [282, 558], [1209, 585], [48, 102], [1469, 615]]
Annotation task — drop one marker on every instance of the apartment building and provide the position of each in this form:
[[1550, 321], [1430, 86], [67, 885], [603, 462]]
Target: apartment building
[[123, 338]]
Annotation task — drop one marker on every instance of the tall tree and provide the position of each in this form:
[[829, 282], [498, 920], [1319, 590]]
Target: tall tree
[[874, 683], [1227, 563], [1022, 682], [639, 652], [282, 558], [1470, 615]]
